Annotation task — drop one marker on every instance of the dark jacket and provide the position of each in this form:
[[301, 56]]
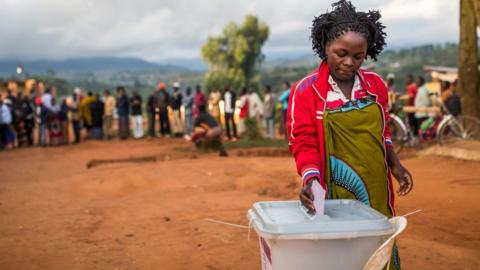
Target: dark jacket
[[136, 103], [122, 106], [98, 109], [176, 102], [151, 104], [163, 100]]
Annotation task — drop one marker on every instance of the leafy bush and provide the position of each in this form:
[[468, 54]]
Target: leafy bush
[[252, 130]]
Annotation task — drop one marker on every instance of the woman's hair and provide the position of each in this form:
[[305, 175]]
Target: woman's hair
[[344, 18]]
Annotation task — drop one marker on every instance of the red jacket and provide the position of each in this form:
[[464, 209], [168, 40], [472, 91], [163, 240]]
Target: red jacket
[[307, 103]]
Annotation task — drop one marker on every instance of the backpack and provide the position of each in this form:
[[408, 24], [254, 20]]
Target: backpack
[[453, 105]]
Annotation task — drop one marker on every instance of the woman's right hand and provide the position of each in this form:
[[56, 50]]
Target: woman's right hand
[[306, 197]]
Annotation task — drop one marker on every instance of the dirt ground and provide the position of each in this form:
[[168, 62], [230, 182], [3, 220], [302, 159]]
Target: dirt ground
[[55, 213]]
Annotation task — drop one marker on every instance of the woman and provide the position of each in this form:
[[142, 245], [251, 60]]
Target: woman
[[269, 113], [244, 105], [137, 115], [336, 119], [75, 115]]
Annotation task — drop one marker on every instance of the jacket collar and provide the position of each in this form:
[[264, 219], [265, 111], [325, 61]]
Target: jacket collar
[[321, 85]]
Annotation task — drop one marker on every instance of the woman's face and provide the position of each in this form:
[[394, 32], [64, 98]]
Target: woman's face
[[346, 54]]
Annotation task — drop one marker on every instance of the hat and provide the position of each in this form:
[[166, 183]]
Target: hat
[[176, 85], [77, 91], [161, 85], [391, 76]]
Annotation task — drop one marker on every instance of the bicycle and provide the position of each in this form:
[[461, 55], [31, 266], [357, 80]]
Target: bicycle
[[450, 129]]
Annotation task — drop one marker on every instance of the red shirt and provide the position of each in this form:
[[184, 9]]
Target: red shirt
[[412, 93]]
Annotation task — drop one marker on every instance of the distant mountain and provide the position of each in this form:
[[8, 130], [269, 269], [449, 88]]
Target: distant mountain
[[194, 64], [300, 61], [84, 65]]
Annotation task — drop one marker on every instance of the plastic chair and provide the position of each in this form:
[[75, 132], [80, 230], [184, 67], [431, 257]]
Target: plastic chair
[[383, 254]]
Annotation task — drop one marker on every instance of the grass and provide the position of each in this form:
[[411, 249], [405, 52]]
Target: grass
[[258, 143]]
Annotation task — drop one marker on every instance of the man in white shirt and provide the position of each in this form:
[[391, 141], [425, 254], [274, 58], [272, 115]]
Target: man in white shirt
[[255, 105], [230, 98]]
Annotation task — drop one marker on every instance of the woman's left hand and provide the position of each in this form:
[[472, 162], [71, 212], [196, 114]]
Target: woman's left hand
[[404, 178]]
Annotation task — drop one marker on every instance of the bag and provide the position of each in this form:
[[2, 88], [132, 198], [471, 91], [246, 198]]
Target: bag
[[453, 105]]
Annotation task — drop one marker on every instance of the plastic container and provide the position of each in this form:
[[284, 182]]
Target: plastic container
[[342, 239]]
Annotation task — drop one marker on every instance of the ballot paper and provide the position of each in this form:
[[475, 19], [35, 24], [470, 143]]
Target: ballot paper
[[318, 201], [318, 198]]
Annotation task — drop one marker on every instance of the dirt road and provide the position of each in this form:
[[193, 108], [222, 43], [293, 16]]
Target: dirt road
[[57, 214]]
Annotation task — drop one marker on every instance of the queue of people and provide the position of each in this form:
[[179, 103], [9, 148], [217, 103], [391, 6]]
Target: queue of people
[[96, 116]]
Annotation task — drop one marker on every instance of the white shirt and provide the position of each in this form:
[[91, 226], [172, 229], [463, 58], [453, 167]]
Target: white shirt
[[228, 103], [255, 106], [5, 115], [337, 93], [47, 101]]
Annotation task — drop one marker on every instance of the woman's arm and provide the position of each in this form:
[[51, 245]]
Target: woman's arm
[[403, 176], [303, 143]]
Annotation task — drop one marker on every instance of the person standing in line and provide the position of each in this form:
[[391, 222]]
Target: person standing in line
[[46, 110], [244, 106], [18, 123], [412, 93], [74, 108], [269, 112], [176, 104], [63, 115], [255, 109], [37, 100], [283, 99], [98, 113], [198, 100], [163, 102], [123, 112], [214, 103], [151, 101], [5, 121], [86, 112], [110, 105], [188, 107], [230, 98], [28, 112], [55, 129], [10, 132], [137, 117]]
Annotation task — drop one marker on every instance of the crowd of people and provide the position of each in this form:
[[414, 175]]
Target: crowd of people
[[43, 119]]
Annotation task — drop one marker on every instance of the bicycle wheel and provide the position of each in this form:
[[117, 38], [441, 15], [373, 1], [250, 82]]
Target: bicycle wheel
[[471, 127], [459, 128], [399, 134]]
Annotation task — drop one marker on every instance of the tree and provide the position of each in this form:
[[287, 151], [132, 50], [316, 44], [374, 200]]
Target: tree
[[233, 56], [468, 74], [477, 11]]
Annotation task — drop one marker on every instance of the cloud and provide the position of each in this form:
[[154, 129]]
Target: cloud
[[166, 29]]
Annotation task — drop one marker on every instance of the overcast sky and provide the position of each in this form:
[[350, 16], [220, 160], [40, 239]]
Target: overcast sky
[[158, 30]]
